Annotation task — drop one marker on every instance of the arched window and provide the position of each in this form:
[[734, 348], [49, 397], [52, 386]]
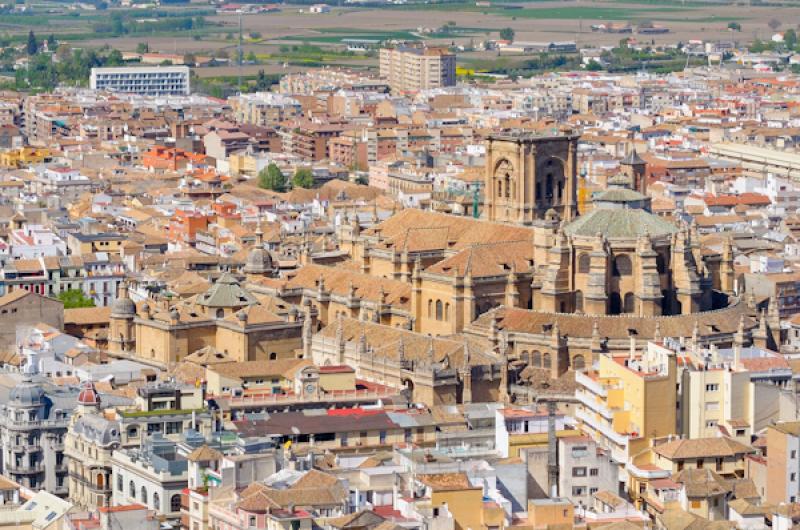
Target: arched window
[[447, 311], [546, 362], [131, 490], [175, 503], [156, 501], [143, 496], [536, 359], [508, 186], [614, 303], [622, 265], [101, 481], [549, 186], [584, 263], [430, 308], [525, 356], [578, 363], [120, 485], [273, 356], [438, 310], [578, 301], [629, 303]]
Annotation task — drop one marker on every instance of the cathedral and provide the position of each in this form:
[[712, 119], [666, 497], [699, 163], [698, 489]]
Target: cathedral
[[544, 286]]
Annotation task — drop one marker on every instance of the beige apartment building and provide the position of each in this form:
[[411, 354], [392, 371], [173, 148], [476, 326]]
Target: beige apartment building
[[413, 69]]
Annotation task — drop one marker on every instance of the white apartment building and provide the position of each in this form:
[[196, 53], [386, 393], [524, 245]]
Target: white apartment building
[[143, 80]]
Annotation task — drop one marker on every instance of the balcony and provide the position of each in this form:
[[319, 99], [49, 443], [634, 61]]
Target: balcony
[[602, 428], [41, 424], [25, 469], [584, 380], [593, 404]]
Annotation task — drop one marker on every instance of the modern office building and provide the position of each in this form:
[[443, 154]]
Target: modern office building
[[143, 80], [412, 69]]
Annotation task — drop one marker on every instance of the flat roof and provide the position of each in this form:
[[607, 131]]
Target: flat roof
[[139, 69]]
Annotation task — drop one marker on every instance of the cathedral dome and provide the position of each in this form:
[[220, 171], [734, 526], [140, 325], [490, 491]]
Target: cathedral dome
[[623, 223]]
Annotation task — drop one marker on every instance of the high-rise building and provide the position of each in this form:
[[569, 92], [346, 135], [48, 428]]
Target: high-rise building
[[413, 69], [143, 80]]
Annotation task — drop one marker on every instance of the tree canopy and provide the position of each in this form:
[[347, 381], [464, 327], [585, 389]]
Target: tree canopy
[[33, 46], [73, 298], [507, 34], [303, 178], [271, 178]]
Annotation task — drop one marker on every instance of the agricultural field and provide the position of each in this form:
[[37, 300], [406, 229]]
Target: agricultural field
[[292, 39]]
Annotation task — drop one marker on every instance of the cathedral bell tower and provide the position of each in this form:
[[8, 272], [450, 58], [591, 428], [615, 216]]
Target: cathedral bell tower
[[529, 174]]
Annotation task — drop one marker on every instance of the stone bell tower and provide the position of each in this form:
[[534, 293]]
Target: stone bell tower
[[529, 174]]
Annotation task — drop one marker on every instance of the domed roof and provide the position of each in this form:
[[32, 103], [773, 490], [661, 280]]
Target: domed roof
[[88, 395], [123, 306], [27, 393], [625, 223], [259, 261]]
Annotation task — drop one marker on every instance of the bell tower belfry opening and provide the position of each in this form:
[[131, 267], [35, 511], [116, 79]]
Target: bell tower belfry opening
[[528, 174]]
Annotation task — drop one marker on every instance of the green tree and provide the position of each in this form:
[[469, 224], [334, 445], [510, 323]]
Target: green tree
[[262, 81], [734, 26], [507, 34], [75, 298], [272, 178], [51, 43], [142, 47], [362, 180], [303, 178], [189, 59], [594, 66], [790, 38], [114, 58], [32, 46]]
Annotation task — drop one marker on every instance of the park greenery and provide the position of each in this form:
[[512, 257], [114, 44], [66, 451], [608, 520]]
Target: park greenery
[[272, 178], [303, 178], [74, 298]]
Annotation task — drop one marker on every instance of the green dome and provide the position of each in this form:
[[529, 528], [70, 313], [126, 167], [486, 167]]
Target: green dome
[[620, 223]]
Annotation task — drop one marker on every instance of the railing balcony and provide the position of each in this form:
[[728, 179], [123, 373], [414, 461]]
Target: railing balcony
[[590, 402], [584, 380], [601, 427]]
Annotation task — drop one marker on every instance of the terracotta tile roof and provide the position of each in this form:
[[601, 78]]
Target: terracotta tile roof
[[702, 483], [281, 367], [416, 230], [702, 448], [87, 315], [338, 281], [387, 341], [488, 259], [204, 453], [614, 327], [446, 481]]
